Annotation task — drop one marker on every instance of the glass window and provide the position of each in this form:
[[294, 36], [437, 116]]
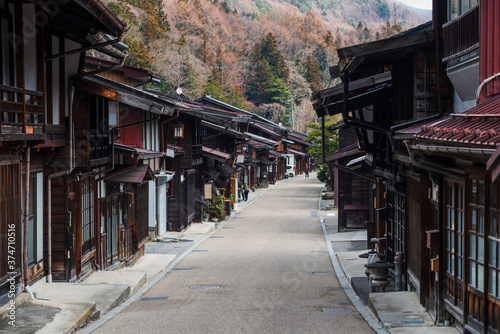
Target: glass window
[[493, 253], [472, 274], [472, 253], [493, 283], [453, 9]]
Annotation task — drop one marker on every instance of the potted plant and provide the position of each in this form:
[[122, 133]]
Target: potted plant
[[217, 208], [205, 217]]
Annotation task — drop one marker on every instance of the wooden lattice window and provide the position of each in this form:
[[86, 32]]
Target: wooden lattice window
[[88, 215], [454, 201]]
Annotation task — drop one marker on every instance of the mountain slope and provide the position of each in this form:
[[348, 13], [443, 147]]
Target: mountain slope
[[205, 46]]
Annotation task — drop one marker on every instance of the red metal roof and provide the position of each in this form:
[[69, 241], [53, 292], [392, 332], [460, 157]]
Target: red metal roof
[[478, 125]]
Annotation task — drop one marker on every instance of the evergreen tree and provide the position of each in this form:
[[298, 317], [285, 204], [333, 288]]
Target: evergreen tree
[[203, 50], [190, 76], [235, 99], [138, 53], [270, 72], [313, 73]]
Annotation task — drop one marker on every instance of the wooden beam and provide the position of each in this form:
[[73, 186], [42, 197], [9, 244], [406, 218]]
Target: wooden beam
[[19, 49], [387, 45], [96, 89]]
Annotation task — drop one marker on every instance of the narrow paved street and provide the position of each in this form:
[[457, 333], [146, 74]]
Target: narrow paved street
[[267, 270]]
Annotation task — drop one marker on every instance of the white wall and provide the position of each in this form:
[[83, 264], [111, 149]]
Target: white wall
[[152, 203]]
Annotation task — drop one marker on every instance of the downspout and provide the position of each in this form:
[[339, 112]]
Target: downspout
[[485, 81], [27, 288]]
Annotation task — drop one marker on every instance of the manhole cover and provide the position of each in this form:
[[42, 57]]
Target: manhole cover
[[322, 252], [336, 310], [314, 214], [205, 287], [199, 250], [177, 269], [147, 299], [227, 227], [216, 237]]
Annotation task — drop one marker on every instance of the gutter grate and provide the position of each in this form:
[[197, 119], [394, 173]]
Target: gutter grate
[[227, 227], [322, 252], [216, 237], [199, 250], [178, 269]]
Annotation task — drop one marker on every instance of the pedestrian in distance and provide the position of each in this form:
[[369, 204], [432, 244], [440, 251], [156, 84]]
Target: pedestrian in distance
[[246, 190], [307, 171], [239, 191]]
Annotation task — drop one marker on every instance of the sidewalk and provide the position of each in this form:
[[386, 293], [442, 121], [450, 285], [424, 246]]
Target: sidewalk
[[387, 312], [66, 307]]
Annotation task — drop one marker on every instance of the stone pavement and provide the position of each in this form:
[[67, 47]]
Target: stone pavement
[[387, 312], [66, 307]]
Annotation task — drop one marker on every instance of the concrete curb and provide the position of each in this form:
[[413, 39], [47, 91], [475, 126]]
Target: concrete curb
[[113, 312], [364, 311]]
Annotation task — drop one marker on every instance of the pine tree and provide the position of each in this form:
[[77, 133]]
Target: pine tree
[[138, 53], [269, 66], [313, 73], [203, 50]]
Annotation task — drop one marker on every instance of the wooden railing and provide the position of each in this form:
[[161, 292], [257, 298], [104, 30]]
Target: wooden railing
[[22, 111], [461, 35]]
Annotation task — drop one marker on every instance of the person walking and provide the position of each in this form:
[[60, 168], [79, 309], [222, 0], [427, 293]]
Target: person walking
[[246, 190], [307, 171], [239, 191]]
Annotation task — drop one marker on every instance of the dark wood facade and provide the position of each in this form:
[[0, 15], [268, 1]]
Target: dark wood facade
[[432, 169]]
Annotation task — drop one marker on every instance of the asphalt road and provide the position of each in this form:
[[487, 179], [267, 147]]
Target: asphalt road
[[267, 270]]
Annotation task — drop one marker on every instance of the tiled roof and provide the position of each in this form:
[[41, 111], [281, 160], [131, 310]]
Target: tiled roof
[[478, 125]]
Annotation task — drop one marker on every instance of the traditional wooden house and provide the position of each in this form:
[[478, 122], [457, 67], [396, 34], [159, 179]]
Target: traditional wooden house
[[443, 169], [389, 85], [352, 181], [263, 136], [299, 149], [132, 191], [459, 151], [42, 48]]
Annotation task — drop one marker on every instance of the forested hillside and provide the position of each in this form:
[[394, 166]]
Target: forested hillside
[[265, 56]]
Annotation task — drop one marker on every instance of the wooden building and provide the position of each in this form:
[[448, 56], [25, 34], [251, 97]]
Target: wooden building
[[39, 67], [436, 173]]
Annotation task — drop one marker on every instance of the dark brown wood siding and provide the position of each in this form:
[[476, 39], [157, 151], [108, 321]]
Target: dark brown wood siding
[[10, 221]]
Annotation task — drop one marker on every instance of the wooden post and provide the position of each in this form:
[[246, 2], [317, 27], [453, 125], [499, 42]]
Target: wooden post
[[19, 49], [26, 215]]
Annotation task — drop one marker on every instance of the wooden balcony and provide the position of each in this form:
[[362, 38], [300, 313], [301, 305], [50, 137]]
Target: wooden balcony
[[461, 35], [22, 114]]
